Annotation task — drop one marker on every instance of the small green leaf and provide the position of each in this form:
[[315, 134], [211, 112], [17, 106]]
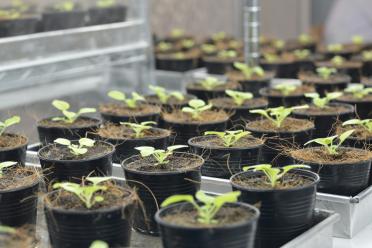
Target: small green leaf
[[61, 105], [176, 199], [175, 147], [13, 120], [87, 110], [145, 150], [87, 142], [99, 244], [117, 95], [345, 135], [62, 141]]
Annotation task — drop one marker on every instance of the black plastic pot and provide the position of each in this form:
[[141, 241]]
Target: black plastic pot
[[283, 69], [54, 20], [73, 170], [304, 65], [218, 67], [281, 100], [170, 64], [367, 68], [107, 15], [16, 154], [47, 134], [131, 118], [324, 123], [340, 178], [154, 187], [322, 87], [359, 143], [232, 236], [254, 86], [205, 95], [21, 26], [79, 228], [124, 148], [285, 213], [363, 108], [223, 162], [18, 206], [273, 150]]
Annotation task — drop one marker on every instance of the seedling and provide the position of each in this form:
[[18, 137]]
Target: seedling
[[179, 55], [274, 174], [187, 43], [20, 6], [325, 72], [304, 39], [9, 14], [239, 97], [337, 60], [335, 47], [79, 149], [271, 57], [367, 55], [130, 102], [139, 128], [164, 96], [65, 6], [210, 204], [99, 244], [285, 88], [279, 44], [208, 48], [357, 40], [4, 165], [229, 138], [366, 124], [9, 122], [69, 117], [234, 44], [219, 36], [196, 107], [277, 115], [164, 46], [227, 54], [86, 193], [328, 144], [249, 71], [322, 102], [105, 3], [358, 90], [7, 229], [301, 54], [210, 83], [177, 33], [160, 155]]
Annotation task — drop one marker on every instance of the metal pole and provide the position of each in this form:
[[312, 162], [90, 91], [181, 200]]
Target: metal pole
[[252, 32]]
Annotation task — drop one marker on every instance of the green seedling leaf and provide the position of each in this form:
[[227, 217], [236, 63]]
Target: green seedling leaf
[[129, 102], [99, 244], [98, 180], [335, 47], [9, 122], [337, 60], [304, 39], [227, 54], [76, 150], [164, 96], [139, 129], [239, 97], [210, 83], [196, 108], [4, 165], [248, 71], [367, 55], [325, 72], [328, 142], [285, 88], [323, 102], [357, 40], [105, 3], [7, 229], [302, 54], [69, 117], [367, 123], [159, 155], [358, 91], [229, 138]]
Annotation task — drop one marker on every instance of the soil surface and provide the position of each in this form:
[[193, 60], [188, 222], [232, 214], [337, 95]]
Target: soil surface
[[328, 110], [345, 65], [239, 76], [299, 91], [311, 77], [212, 141], [288, 125], [177, 162], [16, 177], [351, 98], [208, 116], [59, 152], [8, 140], [79, 123], [122, 110], [226, 216], [228, 103], [171, 101], [117, 131], [367, 81], [359, 133], [318, 155], [261, 182], [227, 86]]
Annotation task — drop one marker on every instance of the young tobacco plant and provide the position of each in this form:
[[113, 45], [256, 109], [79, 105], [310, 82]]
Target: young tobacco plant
[[177, 33], [159, 154], [366, 124], [65, 6], [301, 54], [304, 39], [285, 88], [219, 36], [229, 138], [99, 244], [357, 40], [325, 72], [139, 128], [9, 122], [328, 142], [7, 230], [358, 91], [164, 46], [69, 117], [86, 193], [196, 107], [105, 3], [208, 48], [79, 149], [337, 60], [274, 174], [249, 71], [322, 102], [206, 212], [277, 115], [4, 165], [164, 96], [279, 44], [187, 43], [130, 102], [367, 55], [227, 54], [271, 57], [335, 47], [239, 97], [210, 83]]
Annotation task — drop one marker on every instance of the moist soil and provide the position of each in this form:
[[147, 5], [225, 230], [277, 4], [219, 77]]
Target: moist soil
[[328, 110], [318, 155], [344, 65], [208, 116], [17, 177], [179, 162], [288, 125], [359, 133], [114, 196], [60, 152], [261, 182], [239, 76], [226, 102], [79, 123], [123, 110], [312, 77], [116, 131], [212, 141], [8, 140], [227, 86], [171, 101], [351, 98], [226, 216], [299, 91]]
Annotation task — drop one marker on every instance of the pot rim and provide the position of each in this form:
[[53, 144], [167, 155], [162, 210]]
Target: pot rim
[[264, 92], [5, 149], [97, 123], [350, 110], [156, 112], [36, 182], [191, 140], [244, 107], [107, 139], [281, 132]]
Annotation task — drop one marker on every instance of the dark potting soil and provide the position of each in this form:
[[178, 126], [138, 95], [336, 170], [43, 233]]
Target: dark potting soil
[[226, 216], [300, 90], [328, 110], [121, 109], [179, 162], [314, 78], [208, 116], [17, 177], [288, 125], [114, 196], [226, 102], [171, 101], [351, 98], [212, 141], [344, 65], [59, 152], [79, 123], [227, 86], [359, 132], [8, 140], [319, 155], [117, 131], [261, 182], [239, 76]]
